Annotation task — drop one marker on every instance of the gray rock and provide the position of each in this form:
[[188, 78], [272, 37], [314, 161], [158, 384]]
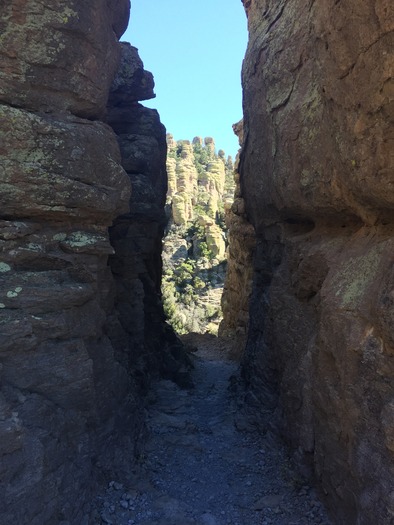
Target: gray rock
[[208, 519]]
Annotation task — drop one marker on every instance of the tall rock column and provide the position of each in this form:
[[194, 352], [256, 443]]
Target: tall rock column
[[148, 345], [316, 174], [185, 196]]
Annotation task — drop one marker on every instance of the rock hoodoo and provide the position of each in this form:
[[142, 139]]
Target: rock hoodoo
[[200, 187], [316, 174]]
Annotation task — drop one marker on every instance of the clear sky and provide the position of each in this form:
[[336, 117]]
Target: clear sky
[[194, 50]]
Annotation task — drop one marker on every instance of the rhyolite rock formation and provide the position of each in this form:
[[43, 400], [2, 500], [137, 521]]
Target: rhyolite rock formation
[[200, 181], [183, 185], [317, 178], [82, 174], [81, 323]]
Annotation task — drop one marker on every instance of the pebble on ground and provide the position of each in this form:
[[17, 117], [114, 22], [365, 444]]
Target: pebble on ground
[[199, 468]]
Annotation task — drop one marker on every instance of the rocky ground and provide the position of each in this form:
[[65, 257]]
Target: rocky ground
[[197, 468]]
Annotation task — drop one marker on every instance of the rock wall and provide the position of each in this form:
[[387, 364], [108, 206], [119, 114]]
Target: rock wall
[[239, 275], [73, 348], [317, 177], [147, 344]]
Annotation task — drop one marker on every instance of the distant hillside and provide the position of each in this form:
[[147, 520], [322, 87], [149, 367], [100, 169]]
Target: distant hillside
[[200, 186]]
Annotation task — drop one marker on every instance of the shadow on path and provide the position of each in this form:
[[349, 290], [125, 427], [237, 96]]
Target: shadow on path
[[198, 469]]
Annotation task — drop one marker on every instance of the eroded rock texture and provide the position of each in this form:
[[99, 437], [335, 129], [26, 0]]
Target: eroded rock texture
[[200, 186], [71, 363], [238, 283], [58, 56], [317, 178], [148, 345]]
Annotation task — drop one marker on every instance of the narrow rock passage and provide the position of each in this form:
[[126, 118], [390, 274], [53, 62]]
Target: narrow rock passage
[[197, 468]]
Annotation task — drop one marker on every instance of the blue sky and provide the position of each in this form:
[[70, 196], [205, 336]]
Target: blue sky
[[194, 50]]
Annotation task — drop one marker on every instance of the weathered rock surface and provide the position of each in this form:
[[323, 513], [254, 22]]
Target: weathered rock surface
[[60, 167], [131, 83], [194, 248], [77, 334], [184, 189], [238, 283], [316, 174], [148, 343], [60, 56]]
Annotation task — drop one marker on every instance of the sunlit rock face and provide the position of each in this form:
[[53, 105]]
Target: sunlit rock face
[[74, 350], [184, 189], [197, 195], [200, 182], [316, 175]]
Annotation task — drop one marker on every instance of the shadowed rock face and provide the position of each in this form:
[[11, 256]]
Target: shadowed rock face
[[74, 351], [238, 283], [316, 174], [149, 344]]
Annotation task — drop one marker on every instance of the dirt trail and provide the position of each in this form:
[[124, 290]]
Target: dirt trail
[[198, 469]]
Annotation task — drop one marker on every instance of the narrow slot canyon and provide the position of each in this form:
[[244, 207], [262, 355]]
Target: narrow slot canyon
[[131, 393], [203, 462]]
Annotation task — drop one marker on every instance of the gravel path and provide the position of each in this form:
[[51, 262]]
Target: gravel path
[[198, 469]]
